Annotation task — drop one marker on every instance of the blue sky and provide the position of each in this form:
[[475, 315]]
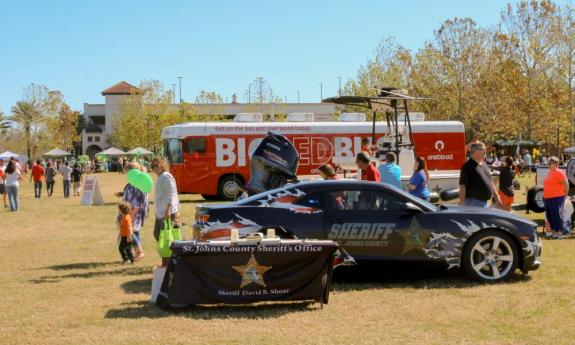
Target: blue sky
[[82, 47]]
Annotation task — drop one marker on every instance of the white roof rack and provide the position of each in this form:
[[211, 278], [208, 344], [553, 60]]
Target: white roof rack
[[300, 117], [352, 117], [248, 117]]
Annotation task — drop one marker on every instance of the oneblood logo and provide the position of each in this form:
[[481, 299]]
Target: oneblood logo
[[440, 146]]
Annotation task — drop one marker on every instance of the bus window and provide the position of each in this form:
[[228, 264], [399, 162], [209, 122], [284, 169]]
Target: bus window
[[173, 150], [195, 145]]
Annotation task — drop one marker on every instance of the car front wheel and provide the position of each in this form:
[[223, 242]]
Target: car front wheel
[[490, 256]]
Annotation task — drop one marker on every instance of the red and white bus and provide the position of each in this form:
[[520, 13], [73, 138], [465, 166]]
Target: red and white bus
[[209, 158]]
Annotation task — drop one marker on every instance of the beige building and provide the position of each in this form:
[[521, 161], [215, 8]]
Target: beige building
[[99, 117]]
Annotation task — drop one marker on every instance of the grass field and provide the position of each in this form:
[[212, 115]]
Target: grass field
[[61, 283]]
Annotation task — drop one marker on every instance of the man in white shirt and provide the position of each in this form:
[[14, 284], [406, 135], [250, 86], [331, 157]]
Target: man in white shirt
[[66, 177], [527, 161]]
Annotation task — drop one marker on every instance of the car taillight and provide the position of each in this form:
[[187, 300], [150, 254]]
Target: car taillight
[[202, 218]]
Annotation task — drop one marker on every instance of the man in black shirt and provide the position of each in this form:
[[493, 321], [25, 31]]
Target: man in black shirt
[[475, 184], [77, 179]]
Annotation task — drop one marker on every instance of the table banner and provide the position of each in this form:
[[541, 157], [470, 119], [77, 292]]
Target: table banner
[[211, 273]]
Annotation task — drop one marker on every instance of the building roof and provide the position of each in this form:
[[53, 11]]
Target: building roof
[[121, 88]]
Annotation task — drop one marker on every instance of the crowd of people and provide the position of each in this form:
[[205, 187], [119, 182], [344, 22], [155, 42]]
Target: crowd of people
[[11, 175], [119, 164], [520, 163], [132, 210], [390, 172]]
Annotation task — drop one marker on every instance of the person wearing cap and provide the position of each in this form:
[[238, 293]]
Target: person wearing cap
[[368, 171]]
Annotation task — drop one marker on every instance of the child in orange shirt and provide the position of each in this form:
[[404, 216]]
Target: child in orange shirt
[[126, 233]]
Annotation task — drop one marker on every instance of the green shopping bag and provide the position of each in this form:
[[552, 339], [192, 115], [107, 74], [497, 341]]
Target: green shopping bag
[[176, 232], [168, 235]]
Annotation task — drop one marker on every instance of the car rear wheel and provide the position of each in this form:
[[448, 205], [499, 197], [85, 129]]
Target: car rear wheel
[[490, 256]]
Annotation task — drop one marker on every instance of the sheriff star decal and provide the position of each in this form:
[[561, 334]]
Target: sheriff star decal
[[252, 272], [415, 237]]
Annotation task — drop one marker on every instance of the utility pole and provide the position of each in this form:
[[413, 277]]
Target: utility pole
[[339, 90], [174, 93], [261, 91], [180, 80], [320, 91]]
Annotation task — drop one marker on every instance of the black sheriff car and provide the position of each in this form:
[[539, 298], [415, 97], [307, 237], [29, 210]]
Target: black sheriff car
[[375, 221]]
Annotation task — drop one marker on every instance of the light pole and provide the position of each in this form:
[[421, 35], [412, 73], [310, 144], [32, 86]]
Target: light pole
[[298, 96], [320, 91], [339, 90], [180, 80], [250, 93], [174, 93]]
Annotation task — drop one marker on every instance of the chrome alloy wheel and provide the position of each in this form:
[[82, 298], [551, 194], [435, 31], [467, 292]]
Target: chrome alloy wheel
[[492, 258]]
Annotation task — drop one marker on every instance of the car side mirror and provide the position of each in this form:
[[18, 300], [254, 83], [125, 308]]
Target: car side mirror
[[411, 208]]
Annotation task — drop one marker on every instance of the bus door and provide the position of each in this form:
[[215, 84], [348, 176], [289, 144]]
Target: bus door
[[173, 152], [198, 169]]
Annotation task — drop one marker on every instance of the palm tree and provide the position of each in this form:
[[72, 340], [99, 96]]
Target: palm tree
[[27, 115], [4, 123]]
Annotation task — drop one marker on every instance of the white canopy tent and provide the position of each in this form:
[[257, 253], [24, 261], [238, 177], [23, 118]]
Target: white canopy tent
[[8, 154], [140, 151], [570, 149], [57, 153], [112, 151]]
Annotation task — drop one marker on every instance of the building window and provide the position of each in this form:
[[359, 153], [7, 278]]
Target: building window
[[97, 139], [89, 139]]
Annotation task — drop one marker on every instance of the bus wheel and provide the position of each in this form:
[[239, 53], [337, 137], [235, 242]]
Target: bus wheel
[[228, 188]]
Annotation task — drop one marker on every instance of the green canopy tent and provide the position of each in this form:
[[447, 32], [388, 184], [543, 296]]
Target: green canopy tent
[[140, 151], [111, 152]]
